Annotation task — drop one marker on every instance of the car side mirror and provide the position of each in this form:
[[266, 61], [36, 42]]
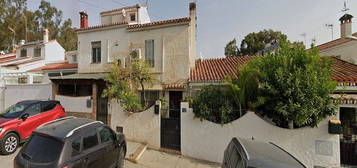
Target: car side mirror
[[24, 116]]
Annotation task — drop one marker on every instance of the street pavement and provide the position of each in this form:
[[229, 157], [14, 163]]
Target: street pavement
[[150, 159]]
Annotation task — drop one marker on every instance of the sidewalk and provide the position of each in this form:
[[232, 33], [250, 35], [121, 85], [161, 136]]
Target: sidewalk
[[155, 159]]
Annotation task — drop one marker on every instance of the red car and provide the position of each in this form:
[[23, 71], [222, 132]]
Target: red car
[[18, 121]]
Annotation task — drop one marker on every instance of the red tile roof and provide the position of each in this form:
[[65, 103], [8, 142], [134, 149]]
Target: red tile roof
[[335, 42], [101, 26], [6, 59], [343, 71], [62, 65], [175, 86], [120, 9], [135, 26], [217, 69], [163, 22]]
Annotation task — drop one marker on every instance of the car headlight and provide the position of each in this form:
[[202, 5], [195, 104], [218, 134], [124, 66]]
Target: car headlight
[[0, 129]]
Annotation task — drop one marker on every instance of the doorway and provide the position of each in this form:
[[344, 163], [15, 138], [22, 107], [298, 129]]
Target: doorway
[[171, 127], [348, 139]]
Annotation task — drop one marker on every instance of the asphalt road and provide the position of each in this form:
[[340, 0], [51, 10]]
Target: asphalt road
[[7, 161]]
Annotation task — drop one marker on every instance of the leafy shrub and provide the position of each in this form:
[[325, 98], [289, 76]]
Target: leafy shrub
[[215, 104]]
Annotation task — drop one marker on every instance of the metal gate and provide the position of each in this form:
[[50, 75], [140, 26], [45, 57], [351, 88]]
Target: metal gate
[[171, 133], [348, 147], [348, 141]]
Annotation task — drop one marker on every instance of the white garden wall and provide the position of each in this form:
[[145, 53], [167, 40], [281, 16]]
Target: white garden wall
[[141, 127], [75, 104], [206, 140], [15, 93]]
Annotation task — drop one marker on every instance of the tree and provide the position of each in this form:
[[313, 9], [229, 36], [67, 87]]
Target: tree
[[295, 86], [244, 89], [214, 103], [18, 23], [124, 81], [255, 42], [119, 88], [231, 49], [141, 75]]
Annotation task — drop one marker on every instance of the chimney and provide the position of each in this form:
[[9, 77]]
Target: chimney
[[22, 42], [193, 36], [84, 19], [346, 25], [45, 36]]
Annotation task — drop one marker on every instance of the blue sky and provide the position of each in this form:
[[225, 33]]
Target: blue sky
[[219, 21]]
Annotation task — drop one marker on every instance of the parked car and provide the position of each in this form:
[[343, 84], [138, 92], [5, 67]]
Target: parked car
[[18, 121], [244, 153], [73, 143]]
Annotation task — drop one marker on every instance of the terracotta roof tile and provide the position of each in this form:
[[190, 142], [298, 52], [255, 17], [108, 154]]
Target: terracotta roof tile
[[62, 65], [216, 70], [171, 21], [343, 71], [6, 59], [335, 42], [101, 26], [175, 86]]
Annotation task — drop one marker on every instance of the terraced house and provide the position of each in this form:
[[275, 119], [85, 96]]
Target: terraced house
[[169, 46]]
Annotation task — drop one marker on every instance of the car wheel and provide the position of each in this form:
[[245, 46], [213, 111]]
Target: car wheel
[[9, 144], [120, 163]]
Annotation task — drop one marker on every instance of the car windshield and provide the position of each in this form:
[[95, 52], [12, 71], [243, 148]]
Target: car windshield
[[14, 111], [42, 149]]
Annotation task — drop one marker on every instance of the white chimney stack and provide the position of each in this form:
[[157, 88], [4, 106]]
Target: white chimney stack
[[22, 42], [45, 36]]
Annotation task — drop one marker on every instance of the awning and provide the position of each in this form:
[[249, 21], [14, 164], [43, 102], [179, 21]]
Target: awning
[[95, 76]]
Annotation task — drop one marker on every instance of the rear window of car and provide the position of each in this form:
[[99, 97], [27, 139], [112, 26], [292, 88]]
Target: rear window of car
[[47, 106], [42, 149]]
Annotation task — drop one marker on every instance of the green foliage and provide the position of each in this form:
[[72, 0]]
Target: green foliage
[[119, 89], [140, 75], [244, 89], [29, 25], [231, 49], [215, 104], [295, 86], [123, 84], [255, 42]]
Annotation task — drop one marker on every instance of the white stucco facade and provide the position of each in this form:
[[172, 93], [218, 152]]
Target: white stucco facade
[[206, 140], [346, 51], [141, 127]]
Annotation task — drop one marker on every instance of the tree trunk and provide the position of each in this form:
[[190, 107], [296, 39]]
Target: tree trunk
[[143, 102], [291, 124]]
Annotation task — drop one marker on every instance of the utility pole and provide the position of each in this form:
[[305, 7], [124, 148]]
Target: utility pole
[[330, 27]]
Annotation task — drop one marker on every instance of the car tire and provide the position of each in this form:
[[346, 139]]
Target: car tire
[[9, 144], [120, 163]]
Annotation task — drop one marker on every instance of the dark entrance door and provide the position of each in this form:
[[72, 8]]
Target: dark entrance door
[[102, 107], [171, 127], [348, 141]]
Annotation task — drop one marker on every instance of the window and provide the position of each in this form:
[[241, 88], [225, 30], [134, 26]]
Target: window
[[96, 52], [151, 97], [22, 80], [37, 52], [34, 109], [76, 146], [105, 135], [132, 17], [42, 149], [149, 52], [90, 140], [47, 106], [23, 52]]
